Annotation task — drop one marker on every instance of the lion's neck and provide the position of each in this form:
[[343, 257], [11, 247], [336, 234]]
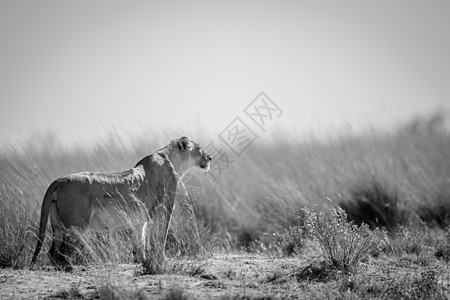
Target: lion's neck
[[180, 164]]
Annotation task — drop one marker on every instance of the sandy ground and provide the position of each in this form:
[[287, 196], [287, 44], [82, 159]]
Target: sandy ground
[[218, 277]]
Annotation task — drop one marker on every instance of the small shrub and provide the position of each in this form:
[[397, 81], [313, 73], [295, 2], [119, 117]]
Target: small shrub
[[343, 244]]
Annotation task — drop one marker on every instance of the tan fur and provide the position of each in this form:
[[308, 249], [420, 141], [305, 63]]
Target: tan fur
[[103, 201]]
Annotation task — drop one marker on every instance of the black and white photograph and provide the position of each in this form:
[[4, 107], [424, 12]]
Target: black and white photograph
[[253, 149]]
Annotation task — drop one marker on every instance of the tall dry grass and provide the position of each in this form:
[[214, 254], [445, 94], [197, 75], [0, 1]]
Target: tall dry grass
[[396, 175]]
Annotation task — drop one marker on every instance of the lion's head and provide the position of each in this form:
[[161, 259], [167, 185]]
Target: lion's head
[[193, 153]]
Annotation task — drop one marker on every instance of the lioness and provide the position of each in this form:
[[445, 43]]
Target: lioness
[[99, 201]]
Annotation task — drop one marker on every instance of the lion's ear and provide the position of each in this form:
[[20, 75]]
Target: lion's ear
[[185, 144]]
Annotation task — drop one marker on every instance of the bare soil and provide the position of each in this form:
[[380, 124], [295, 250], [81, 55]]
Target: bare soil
[[222, 276], [227, 276]]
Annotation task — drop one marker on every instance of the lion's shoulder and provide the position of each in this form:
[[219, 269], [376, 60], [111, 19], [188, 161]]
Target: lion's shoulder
[[158, 165], [155, 160]]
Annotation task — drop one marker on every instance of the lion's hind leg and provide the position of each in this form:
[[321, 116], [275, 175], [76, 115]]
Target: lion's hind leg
[[61, 248]]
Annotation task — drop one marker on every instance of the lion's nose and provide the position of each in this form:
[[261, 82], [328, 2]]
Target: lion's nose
[[210, 157]]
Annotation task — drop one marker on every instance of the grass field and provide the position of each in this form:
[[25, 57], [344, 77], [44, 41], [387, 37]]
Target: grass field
[[249, 236]]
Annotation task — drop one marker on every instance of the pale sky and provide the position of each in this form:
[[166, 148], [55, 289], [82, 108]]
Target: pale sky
[[80, 67]]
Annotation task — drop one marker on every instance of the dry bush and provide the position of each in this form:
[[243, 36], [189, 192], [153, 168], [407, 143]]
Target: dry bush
[[343, 244]]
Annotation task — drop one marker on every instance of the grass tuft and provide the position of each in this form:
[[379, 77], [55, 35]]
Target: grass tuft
[[372, 203]]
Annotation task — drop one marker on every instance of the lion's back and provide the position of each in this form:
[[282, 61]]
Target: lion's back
[[94, 184]]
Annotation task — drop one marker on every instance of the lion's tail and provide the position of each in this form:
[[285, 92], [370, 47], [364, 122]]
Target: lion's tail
[[49, 197]]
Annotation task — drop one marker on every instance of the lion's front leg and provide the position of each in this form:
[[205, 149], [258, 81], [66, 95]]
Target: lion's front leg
[[140, 243], [168, 219], [162, 215]]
